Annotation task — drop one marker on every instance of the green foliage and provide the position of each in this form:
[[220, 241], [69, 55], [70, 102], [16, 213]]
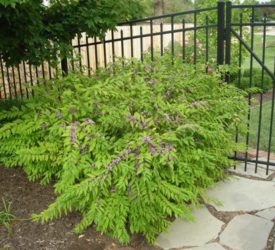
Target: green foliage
[[170, 6], [34, 32], [129, 148], [6, 217], [262, 86]]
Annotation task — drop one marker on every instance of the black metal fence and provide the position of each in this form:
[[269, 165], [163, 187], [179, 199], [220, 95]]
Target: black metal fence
[[237, 35]]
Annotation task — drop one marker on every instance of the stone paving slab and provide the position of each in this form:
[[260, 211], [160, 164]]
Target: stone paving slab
[[246, 232], [268, 214], [241, 194], [212, 246], [191, 234]]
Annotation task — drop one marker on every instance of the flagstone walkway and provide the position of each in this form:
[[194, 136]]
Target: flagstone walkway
[[245, 219]]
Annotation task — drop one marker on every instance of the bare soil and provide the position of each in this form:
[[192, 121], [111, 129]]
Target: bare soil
[[28, 198]]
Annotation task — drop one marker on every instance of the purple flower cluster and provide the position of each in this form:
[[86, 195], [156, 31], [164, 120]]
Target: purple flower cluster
[[146, 139], [72, 110], [131, 118], [152, 81], [59, 115], [152, 149], [62, 125], [121, 157], [43, 125], [166, 117], [166, 148], [198, 104], [73, 130], [89, 121]]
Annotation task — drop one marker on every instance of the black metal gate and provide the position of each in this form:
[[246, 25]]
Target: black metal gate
[[256, 71]]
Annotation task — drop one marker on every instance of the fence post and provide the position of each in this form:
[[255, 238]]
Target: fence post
[[64, 66], [228, 37], [220, 36], [228, 32]]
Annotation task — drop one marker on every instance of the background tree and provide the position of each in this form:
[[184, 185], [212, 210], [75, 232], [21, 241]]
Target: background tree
[[33, 32]]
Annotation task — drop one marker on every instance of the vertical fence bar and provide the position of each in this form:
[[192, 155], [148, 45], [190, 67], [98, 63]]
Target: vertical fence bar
[[141, 43], [64, 66], [122, 46], [72, 59], [25, 78], [206, 43], [43, 73], [271, 123], [14, 81], [104, 53], [240, 51], [172, 39], [151, 40], [228, 38], [50, 70], [250, 85], [9, 85], [79, 51], [88, 55], [195, 38], [239, 75], [132, 42], [20, 82], [183, 40], [31, 79], [113, 46], [96, 53], [220, 36], [3, 78], [261, 96], [161, 39], [36, 75]]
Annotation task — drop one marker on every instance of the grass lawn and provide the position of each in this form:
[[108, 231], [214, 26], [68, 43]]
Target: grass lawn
[[265, 127], [269, 52]]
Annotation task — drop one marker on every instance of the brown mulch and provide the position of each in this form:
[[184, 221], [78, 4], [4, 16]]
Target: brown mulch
[[28, 198]]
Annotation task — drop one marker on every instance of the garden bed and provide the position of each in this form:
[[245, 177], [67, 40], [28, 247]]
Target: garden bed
[[28, 198]]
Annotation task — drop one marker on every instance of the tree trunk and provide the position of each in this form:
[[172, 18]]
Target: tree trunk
[[158, 7]]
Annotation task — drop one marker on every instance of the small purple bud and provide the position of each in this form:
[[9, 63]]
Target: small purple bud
[[89, 121], [152, 81], [73, 133], [59, 115], [169, 147], [166, 117], [147, 139], [131, 118], [43, 125], [128, 151], [152, 149], [110, 167], [122, 157], [62, 125], [137, 165], [198, 104], [72, 110], [143, 124], [115, 161]]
